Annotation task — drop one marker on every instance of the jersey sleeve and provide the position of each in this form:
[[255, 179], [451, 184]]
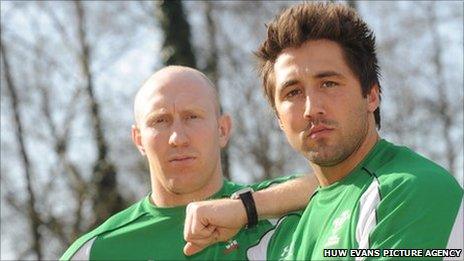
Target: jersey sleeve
[[413, 212], [82, 247], [83, 254]]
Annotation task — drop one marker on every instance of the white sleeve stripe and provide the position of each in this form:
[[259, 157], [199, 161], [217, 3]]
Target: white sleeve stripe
[[259, 251], [456, 238], [368, 204], [84, 251]]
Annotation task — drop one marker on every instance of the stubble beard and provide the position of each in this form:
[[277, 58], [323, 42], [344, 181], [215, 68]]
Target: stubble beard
[[328, 155], [200, 178]]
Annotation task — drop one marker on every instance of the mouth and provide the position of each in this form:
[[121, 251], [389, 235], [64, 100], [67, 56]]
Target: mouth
[[181, 159], [318, 131]]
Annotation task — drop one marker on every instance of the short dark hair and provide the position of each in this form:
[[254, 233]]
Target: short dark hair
[[313, 21]]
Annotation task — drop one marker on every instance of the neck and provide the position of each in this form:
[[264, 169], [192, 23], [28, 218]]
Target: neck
[[163, 197], [332, 174]]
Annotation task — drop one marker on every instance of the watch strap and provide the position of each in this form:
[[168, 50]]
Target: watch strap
[[250, 208]]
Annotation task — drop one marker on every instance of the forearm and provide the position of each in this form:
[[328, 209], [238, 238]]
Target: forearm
[[289, 196], [208, 222]]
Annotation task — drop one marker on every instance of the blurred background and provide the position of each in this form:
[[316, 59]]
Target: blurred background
[[70, 70]]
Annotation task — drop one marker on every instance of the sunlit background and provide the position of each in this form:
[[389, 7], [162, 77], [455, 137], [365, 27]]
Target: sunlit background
[[69, 72]]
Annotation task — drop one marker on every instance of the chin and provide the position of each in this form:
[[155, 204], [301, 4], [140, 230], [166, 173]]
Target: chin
[[184, 186], [323, 162], [324, 157], [180, 188]]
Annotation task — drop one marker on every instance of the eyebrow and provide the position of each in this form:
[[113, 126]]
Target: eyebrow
[[288, 83], [162, 112], [154, 114], [325, 74], [319, 75]]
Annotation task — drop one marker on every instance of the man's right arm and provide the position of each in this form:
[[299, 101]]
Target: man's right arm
[[209, 222]]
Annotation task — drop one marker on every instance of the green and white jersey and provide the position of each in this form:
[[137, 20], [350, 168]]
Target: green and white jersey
[[394, 199], [146, 232]]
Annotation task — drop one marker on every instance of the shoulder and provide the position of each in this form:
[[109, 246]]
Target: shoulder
[[414, 196], [407, 170], [230, 187], [412, 181], [271, 182], [116, 221], [123, 217]]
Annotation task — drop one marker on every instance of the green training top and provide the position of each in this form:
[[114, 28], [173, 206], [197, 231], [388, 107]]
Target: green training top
[[394, 199], [146, 232]]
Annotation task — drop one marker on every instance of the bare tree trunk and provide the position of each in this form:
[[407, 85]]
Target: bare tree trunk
[[177, 47], [107, 200], [212, 70], [33, 215]]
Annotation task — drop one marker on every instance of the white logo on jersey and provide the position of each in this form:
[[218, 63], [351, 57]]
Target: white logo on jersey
[[287, 252], [231, 245], [334, 238]]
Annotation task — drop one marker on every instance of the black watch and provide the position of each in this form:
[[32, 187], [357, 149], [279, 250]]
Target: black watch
[[246, 196]]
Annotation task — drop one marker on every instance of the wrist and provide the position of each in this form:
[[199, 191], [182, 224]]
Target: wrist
[[246, 197], [240, 213]]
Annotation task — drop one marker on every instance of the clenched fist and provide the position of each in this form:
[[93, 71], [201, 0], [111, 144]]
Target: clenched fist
[[209, 222]]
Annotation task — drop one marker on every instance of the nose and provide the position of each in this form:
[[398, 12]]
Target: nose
[[178, 135], [313, 106]]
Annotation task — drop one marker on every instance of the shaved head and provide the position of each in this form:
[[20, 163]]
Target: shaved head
[[169, 76], [181, 131]]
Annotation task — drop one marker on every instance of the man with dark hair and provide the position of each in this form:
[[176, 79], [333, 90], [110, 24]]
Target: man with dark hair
[[321, 76], [333, 22]]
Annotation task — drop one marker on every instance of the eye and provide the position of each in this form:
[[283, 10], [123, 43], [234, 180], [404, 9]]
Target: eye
[[157, 121], [329, 84], [192, 117], [292, 93]]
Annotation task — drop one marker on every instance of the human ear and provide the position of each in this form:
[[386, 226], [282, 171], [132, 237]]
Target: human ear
[[279, 121], [225, 127], [137, 139], [281, 125], [373, 98]]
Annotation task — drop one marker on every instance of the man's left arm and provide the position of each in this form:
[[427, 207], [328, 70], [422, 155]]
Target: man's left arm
[[209, 222]]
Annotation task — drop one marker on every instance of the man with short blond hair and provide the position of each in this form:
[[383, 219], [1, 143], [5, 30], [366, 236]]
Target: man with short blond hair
[[180, 130]]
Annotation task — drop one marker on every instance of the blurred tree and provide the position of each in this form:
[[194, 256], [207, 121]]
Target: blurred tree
[[177, 48], [258, 149], [107, 199], [419, 111], [63, 68], [212, 71], [352, 3], [30, 207], [58, 71], [442, 108]]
